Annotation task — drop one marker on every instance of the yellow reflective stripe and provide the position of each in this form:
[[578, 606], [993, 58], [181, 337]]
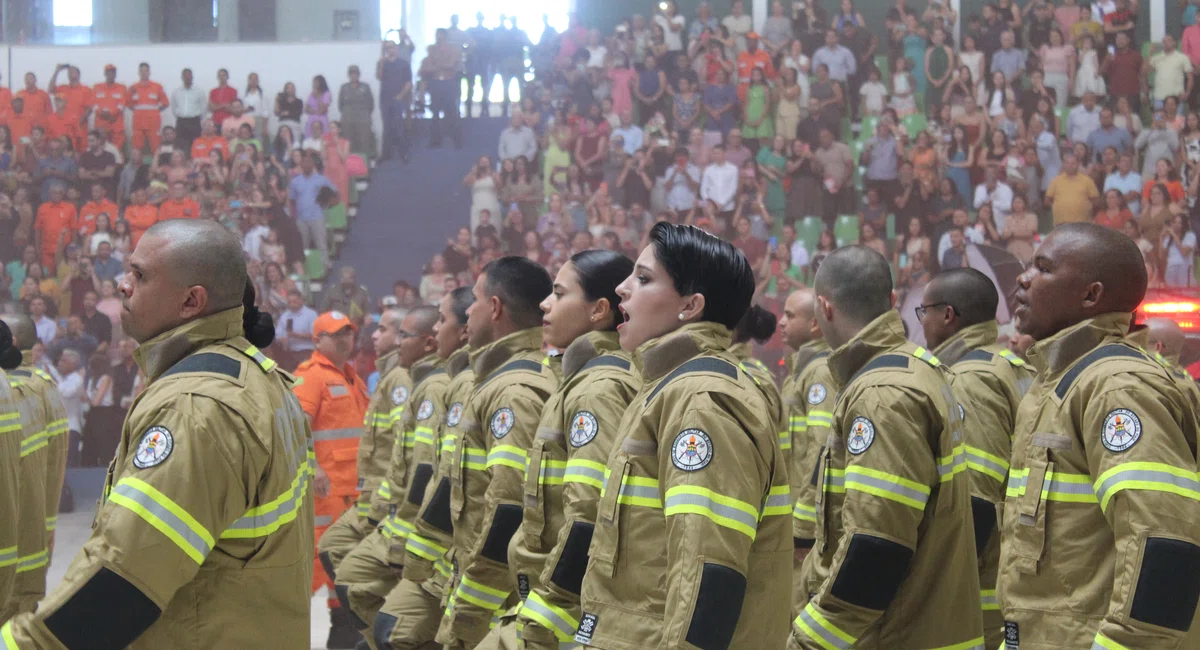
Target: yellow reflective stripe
[[639, 491], [261, 359], [8, 556], [447, 443], [51, 523], [888, 486], [550, 617], [263, 520], [717, 508], [165, 515], [1102, 642], [798, 423], [481, 595], [820, 419], [585, 472], [27, 563], [785, 440], [423, 435], [1056, 486], [10, 422], [394, 415], [819, 629], [552, 472], [6, 637], [973, 644], [778, 501], [1007, 355], [395, 528], [424, 548], [443, 567], [804, 512], [926, 356], [1157, 477], [385, 489], [475, 458], [506, 456], [56, 428], [34, 442], [834, 481], [988, 601], [952, 465], [987, 464]]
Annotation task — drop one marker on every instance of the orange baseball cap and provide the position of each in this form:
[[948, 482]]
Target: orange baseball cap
[[753, 35], [332, 322], [110, 67]]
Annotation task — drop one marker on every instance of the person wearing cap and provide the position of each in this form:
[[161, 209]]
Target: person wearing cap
[[110, 99], [335, 400], [747, 61], [356, 102]]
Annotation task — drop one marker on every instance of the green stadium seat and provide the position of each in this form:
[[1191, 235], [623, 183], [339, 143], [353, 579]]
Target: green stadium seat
[[335, 217], [915, 123], [891, 227], [1062, 119], [353, 198], [881, 62], [845, 229], [808, 230], [314, 264]]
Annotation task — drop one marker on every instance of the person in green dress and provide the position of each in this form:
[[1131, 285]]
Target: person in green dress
[[772, 162], [758, 123], [939, 67]]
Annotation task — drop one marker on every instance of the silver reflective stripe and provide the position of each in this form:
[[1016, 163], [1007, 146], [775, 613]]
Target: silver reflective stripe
[[820, 630], [565, 627], [8, 556], [890, 486], [835, 480], [552, 472], [713, 506], [468, 590], [1017, 481], [575, 472], [168, 518], [501, 454], [986, 462], [287, 507], [338, 391], [470, 457], [337, 434], [989, 599], [1146, 476], [639, 491], [322, 520], [1054, 485], [778, 501], [958, 460]]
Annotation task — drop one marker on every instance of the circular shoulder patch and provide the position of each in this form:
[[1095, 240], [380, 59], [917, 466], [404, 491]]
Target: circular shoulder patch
[[502, 422], [817, 394], [1122, 428], [454, 415], [399, 395], [154, 448], [425, 410], [584, 428], [692, 450], [861, 435]]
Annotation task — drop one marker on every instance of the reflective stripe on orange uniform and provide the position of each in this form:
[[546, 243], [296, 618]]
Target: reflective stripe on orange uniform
[[204, 144], [110, 102], [37, 105], [147, 98], [79, 99]]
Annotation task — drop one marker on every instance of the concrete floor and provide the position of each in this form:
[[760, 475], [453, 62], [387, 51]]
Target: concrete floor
[[74, 529]]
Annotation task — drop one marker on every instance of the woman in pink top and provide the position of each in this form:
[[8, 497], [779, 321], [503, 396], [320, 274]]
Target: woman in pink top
[[622, 76], [1067, 15], [1058, 66], [334, 151]]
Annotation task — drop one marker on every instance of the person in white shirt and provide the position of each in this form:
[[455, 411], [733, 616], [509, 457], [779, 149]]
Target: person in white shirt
[[597, 52], [47, 329], [69, 376], [517, 140], [739, 24], [683, 179], [253, 239], [718, 186], [254, 104], [631, 134], [188, 103], [293, 330], [960, 219], [672, 23], [1126, 181], [1083, 119], [999, 194]]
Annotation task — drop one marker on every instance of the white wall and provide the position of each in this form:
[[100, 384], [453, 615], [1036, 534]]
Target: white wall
[[275, 63]]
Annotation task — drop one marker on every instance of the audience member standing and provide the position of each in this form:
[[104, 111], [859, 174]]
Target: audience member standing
[[303, 206], [356, 102], [110, 99]]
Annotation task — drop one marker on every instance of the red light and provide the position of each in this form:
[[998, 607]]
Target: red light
[[1171, 307]]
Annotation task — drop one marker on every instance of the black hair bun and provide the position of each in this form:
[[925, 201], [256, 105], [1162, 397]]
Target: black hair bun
[[762, 323], [10, 355], [259, 327]]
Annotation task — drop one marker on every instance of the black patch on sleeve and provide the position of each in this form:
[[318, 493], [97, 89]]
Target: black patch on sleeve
[[983, 515], [107, 612], [217, 364], [522, 586], [1108, 351], [718, 607], [800, 542], [421, 476], [816, 473], [437, 511], [384, 624], [872, 572], [505, 523], [572, 562], [1168, 585]]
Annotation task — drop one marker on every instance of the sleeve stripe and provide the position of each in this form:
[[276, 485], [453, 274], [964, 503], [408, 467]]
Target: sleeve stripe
[[507, 456], [550, 617], [476, 459], [637, 491], [1146, 476], [820, 419], [269, 517], [1102, 642], [988, 600], [7, 642], [486, 597], [551, 472], [34, 442], [798, 423], [826, 634], [804, 512], [337, 434], [165, 515], [785, 440], [585, 472], [888, 486], [953, 465], [8, 556], [33, 561], [987, 464], [1056, 486], [424, 548], [778, 502], [396, 528], [721, 510]]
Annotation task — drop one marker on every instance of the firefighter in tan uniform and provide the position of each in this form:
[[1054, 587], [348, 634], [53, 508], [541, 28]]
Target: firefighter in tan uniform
[[958, 315], [203, 538], [366, 576], [548, 555], [894, 534], [692, 543], [759, 325], [808, 398], [411, 613], [12, 445], [1100, 545], [1164, 341], [496, 432]]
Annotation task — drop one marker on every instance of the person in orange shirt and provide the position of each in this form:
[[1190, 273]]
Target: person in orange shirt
[[179, 205], [209, 139], [62, 124], [78, 96], [753, 57], [56, 223], [140, 215], [6, 110], [335, 400], [37, 101], [97, 206], [148, 100], [19, 128], [110, 100]]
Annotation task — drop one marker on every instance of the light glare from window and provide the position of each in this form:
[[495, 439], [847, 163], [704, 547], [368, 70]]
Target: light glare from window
[[72, 13]]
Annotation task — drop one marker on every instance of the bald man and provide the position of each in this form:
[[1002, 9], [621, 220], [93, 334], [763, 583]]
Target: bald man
[[205, 528], [894, 563], [1164, 339], [808, 396], [1100, 544]]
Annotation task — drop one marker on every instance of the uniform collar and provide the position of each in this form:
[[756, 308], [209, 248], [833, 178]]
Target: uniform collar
[[805, 353], [742, 351], [27, 358], [487, 359], [1054, 355], [421, 369], [657, 357], [388, 361], [458, 361], [967, 339], [880, 335], [588, 347], [158, 354]]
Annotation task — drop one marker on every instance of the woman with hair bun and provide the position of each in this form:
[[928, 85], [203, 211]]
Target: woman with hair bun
[[692, 545], [758, 325]]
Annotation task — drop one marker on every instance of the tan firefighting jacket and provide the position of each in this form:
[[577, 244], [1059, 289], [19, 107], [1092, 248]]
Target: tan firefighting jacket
[[381, 426], [1100, 545], [57, 438], [692, 545], [487, 479], [765, 380], [548, 554], [989, 382], [13, 450], [204, 538], [39, 403], [809, 402], [894, 531]]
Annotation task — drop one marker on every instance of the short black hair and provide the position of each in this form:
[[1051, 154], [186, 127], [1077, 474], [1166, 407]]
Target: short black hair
[[972, 294], [600, 271], [521, 284], [1114, 260], [426, 317], [758, 324], [858, 281], [461, 300], [700, 263]]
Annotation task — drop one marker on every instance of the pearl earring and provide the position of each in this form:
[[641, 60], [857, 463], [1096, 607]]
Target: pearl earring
[[680, 315]]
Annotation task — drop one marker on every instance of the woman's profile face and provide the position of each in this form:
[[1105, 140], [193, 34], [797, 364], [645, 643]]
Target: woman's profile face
[[649, 301]]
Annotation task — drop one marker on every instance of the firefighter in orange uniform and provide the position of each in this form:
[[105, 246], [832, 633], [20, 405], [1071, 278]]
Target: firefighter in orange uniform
[[6, 111], [79, 101], [335, 400], [110, 99], [178, 205], [140, 215], [62, 123], [148, 100], [37, 101]]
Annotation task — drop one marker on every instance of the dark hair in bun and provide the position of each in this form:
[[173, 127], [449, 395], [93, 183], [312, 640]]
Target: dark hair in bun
[[758, 324], [10, 354], [259, 326]]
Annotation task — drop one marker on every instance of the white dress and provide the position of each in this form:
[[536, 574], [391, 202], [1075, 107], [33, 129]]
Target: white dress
[[484, 196], [902, 105], [1087, 77]]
